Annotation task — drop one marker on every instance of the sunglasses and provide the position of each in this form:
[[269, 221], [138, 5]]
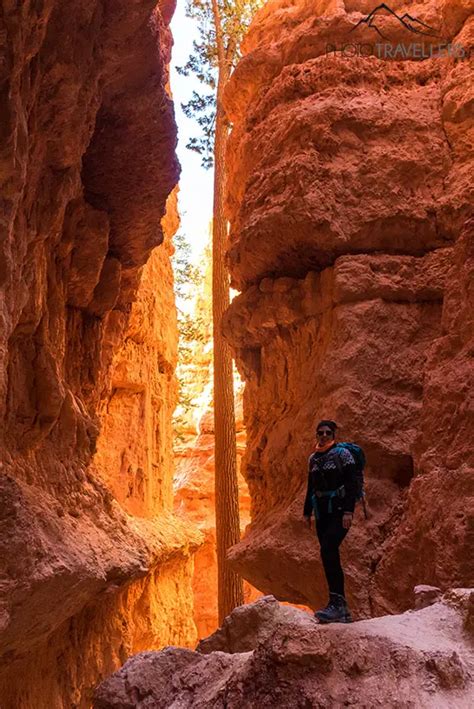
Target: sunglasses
[[324, 432]]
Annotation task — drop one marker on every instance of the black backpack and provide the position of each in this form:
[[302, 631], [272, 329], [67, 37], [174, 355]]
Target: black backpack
[[359, 457]]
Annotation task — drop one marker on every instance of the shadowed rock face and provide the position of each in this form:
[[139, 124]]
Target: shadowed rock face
[[349, 199], [266, 655], [87, 164]]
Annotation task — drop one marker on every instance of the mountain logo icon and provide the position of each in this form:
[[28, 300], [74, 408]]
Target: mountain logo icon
[[408, 21]]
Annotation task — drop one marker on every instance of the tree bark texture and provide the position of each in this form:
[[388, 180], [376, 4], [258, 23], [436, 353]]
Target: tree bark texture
[[230, 588]]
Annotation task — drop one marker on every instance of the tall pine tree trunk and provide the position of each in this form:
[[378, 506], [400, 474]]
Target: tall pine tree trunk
[[229, 584]]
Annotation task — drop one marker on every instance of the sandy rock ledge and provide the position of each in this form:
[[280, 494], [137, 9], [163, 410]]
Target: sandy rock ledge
[[268, 655]]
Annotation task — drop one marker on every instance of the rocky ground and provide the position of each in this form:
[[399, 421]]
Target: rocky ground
[[268, 655]]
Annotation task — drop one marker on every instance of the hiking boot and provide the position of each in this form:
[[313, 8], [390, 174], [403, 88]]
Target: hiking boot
[[336, 611]]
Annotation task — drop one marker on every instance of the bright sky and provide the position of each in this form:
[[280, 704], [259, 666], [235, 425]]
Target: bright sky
[[195, 194]]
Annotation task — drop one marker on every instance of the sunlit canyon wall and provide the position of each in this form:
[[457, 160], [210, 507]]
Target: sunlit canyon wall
[[94, 566], [194, 501]]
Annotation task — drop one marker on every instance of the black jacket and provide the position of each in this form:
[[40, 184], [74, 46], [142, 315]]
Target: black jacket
[[327, 473]]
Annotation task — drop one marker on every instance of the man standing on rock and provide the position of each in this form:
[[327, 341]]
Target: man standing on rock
[[331, 494]]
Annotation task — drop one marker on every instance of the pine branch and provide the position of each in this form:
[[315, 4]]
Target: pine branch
[[234, 17]]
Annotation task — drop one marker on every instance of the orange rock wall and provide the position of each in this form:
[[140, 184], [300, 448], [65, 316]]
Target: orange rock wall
[[195, 503], [150, 613], [435, 537], [93, 563], [348, 193], [134, 450]]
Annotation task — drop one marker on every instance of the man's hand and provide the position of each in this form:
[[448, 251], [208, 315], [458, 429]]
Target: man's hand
[[347, 520], [308, 522]]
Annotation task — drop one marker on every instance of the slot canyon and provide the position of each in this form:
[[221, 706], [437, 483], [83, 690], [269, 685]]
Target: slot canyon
[[349, 200]]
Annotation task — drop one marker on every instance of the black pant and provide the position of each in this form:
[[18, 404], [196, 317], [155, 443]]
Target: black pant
[[330, 534]]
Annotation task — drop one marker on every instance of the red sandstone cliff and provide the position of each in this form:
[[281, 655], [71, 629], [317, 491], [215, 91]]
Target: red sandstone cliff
[[93, 564], [349, 194]]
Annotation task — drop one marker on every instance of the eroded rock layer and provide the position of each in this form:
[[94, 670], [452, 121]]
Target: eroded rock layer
[[93, 563], [349, 200]]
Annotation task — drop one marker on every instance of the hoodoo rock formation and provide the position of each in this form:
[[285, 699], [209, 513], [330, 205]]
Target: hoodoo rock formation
[[94, 566], [349, 199]]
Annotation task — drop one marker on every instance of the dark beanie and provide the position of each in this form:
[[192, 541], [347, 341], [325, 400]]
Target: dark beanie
[[330, 424]]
